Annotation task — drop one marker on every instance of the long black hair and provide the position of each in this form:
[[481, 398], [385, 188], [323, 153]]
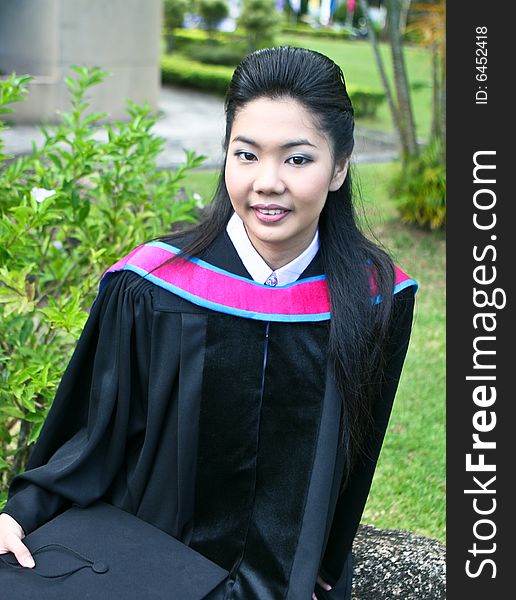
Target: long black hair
[[358, 327]]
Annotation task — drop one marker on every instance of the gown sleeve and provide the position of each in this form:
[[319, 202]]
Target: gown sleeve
[[336, 567], [82, 443]]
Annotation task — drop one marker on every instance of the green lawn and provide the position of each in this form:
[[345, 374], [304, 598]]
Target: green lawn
[[409, 487], [356, 60]]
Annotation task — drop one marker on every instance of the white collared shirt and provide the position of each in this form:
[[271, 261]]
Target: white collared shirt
[[254, 263]]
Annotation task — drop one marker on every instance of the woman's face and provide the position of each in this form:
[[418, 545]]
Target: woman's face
[[279, 169]]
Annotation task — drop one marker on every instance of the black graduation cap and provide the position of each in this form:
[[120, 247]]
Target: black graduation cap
[[104, 553]]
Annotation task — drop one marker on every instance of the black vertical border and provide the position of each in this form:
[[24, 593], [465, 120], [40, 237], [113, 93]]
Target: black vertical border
[[471, 128]]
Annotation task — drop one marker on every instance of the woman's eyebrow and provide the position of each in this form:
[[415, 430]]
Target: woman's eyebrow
[[291, 144]]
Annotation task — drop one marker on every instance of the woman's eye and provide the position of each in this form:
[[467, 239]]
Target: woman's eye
[[298, 160], [245, 156]]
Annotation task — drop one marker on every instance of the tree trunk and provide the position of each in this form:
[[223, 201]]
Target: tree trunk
[[405, 6], [438, 130], [443, 104], [406, 118], [436, 93], [379, 61]]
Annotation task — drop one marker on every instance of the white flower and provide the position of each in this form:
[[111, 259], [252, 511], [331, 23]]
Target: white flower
[[58, 245], [40, 194]]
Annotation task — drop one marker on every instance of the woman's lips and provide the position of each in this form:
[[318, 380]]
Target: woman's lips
[[270, 213]]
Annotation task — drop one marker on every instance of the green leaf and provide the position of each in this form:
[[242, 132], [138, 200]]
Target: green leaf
[[26, 331], [56, 160], [11, 411], [73, 84], [84, 212], [36, 430]]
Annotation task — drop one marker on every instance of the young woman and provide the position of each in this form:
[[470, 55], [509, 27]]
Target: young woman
[[233, 383]]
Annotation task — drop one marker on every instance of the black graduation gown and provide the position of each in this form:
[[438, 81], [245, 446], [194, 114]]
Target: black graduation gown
[[220, 430]]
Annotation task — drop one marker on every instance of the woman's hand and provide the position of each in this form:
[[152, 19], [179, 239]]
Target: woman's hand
[[11, 535], [323, 584]]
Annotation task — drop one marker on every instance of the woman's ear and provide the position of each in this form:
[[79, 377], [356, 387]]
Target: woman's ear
[[339, 174]]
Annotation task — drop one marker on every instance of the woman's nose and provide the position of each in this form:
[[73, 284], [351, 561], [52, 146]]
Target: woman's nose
[[268, 179]]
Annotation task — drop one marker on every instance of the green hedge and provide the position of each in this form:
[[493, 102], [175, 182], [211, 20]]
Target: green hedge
[[186, 36], [365, 100], [180, 70], [306, 30], [183, 37], [228, 55]]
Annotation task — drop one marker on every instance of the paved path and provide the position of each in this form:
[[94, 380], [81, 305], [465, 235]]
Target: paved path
[[195, 120]]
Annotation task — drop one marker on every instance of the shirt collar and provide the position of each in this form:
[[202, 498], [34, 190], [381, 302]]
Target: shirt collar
[[254, 263]]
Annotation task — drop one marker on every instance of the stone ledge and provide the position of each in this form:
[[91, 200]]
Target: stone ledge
[[391, 564]]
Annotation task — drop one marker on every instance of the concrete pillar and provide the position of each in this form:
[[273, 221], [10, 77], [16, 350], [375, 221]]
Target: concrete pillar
[[44, 37]]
